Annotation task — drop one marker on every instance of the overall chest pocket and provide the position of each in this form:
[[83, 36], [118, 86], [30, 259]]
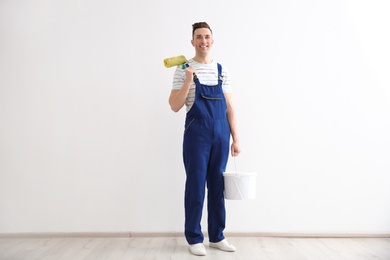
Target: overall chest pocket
[[211, 97], [212, 93]]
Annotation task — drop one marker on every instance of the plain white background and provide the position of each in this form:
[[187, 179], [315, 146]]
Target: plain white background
[[88, 141]]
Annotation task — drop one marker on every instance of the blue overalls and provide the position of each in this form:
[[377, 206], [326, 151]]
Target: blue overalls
[[205, 155]]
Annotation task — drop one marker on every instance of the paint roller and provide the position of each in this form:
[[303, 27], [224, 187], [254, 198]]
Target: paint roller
[[176, 61]]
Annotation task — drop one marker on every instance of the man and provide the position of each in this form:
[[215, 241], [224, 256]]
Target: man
[[204, 87]]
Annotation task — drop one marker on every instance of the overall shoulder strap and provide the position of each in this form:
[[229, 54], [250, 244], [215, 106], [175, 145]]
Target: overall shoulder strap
[[219, 72]]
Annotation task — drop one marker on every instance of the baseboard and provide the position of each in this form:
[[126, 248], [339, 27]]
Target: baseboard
[[180, 234], [308, 235], [64, 234]]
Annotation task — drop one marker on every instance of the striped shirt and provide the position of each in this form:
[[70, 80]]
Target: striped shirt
[[207, 75]]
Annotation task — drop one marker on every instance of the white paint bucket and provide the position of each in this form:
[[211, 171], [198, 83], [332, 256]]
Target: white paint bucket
[[240, 185]]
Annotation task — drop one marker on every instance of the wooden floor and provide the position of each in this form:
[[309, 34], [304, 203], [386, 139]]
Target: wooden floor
[[248, 248]]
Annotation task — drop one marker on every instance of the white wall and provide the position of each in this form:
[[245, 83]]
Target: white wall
[[88, 141]]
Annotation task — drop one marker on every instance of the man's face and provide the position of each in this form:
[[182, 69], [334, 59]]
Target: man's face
[[203, 40]]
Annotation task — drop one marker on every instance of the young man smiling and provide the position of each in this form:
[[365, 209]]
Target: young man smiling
[[204, 87]]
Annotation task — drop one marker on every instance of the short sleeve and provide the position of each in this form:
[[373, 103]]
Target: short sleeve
[[178, 78]]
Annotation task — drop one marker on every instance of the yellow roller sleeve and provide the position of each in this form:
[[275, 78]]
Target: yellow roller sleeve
[[174, 61]]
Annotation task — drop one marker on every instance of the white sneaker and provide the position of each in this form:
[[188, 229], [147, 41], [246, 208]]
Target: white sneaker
[[223, 245], [197, 249]]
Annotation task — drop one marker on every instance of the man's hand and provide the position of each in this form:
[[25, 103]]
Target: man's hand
[[190, 71], [235, 149]]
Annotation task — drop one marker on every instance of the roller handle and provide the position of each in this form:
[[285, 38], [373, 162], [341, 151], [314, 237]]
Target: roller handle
[[184, 66]]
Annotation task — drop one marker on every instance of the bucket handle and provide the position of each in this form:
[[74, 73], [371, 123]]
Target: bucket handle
[[235, 166]]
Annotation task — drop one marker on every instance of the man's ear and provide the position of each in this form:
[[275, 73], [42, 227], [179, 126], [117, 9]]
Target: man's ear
[[192, 42]]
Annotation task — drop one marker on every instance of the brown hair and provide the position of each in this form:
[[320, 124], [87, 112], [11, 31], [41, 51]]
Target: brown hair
[[200, 25]]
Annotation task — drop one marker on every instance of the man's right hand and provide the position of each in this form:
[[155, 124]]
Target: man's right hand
[[190, 72]]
